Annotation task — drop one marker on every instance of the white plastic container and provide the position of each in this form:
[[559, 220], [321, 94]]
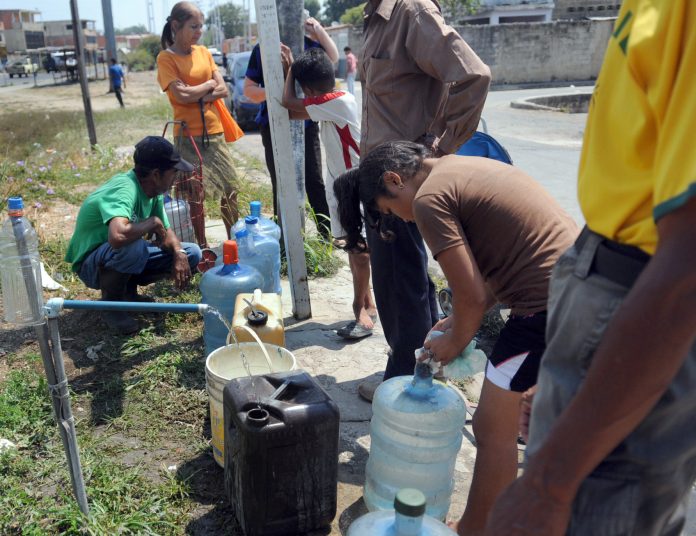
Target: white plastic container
[[416, 433], [407, 519], [179, 216], [20, 268]]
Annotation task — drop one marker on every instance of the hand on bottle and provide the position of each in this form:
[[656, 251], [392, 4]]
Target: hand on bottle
[[444, 348]]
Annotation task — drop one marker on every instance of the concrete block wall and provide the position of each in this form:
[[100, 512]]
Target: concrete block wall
[[541, 52], [520, 53]]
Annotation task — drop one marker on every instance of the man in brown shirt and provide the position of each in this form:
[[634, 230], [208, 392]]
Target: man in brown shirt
[[421, 81]]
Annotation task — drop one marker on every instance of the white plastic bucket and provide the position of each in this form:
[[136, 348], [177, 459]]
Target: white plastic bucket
[[226, 363]]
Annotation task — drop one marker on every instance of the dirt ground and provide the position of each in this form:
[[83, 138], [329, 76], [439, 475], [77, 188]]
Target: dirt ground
[[140, 89]]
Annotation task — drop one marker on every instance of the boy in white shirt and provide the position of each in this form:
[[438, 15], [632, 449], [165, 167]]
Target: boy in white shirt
[[340, 131]]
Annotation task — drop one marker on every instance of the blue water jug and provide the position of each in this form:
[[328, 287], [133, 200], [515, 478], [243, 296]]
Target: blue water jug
[[219, 288], [407, 519], [267, 247], [249, 256], [416, 432], [266, 225]]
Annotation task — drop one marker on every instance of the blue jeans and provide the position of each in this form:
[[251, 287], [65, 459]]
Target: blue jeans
[[140, 258], [404, 293]]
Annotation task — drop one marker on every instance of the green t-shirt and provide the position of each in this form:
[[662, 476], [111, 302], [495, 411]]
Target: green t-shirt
[[119, 197]]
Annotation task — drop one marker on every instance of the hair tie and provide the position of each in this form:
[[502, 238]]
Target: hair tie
[[169, 19]]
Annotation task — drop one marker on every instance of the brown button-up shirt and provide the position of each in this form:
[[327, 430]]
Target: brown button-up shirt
[[419, 77]]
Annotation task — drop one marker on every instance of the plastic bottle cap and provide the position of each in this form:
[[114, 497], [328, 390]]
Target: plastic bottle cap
[[257, 318], [251, 220], [15, 203], [255, 208], [230, 253], [241, 233], [410, 502]]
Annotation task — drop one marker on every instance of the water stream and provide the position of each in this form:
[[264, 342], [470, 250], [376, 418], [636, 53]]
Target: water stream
[[245, 362]]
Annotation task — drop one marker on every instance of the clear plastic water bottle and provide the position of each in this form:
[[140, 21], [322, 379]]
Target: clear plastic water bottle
[[267, 247], [219, 288], [469, 362], [266, 225], [416, 433], [179, 216], [249, 256], [20, 268], [407, 519]]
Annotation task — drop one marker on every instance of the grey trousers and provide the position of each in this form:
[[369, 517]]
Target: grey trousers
[[642, 487]]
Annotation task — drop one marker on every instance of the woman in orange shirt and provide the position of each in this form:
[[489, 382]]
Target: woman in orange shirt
[[188, 75]]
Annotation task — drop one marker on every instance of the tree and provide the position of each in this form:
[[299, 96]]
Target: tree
[[151, 45], [452, 10], [138, 29], [313, 6], [233, 19], [354, 15], [333, 9]]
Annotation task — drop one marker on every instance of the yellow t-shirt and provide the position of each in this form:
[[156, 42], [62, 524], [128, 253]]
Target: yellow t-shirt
[[639, 153], [192, 69]]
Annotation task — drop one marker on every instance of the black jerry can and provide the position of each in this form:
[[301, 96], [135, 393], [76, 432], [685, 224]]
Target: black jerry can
[[281, 453]]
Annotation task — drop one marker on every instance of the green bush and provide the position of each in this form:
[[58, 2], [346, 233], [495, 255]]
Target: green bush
[[140, 60]]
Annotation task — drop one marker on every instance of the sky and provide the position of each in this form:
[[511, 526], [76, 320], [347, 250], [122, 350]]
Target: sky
[[125, 12]]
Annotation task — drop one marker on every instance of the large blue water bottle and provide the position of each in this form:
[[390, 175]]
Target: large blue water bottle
[[266, 225], [407, 519], [250, 257], [219, 288], [267, 247], [416, 432]]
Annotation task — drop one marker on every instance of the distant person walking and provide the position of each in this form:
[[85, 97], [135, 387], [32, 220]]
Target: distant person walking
[[118, 80], [187, 73], [351, 69]]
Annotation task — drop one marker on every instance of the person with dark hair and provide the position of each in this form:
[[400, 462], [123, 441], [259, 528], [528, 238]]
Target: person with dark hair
[[187, 73], [315, 37], [351, 69], [421, 82], [497, 234], [118, 80], [340, 131], [107, 249], [612, 441]]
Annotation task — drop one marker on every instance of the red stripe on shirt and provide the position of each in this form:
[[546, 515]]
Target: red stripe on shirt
[[321, 99], [347, 142]]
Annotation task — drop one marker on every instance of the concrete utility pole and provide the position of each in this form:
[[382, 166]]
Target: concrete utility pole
[[269, 39], [109, 31], [290, 13], [79, 38]]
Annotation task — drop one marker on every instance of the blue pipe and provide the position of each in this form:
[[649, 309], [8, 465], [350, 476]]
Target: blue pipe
[[55, 305]]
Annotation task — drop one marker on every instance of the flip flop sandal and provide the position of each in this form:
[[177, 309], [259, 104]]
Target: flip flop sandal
[[353, 330]]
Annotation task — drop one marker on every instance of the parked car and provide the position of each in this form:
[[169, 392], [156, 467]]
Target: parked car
[[243, 110], [22, 68]]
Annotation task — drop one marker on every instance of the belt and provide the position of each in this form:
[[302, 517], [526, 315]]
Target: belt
[[617, 262]]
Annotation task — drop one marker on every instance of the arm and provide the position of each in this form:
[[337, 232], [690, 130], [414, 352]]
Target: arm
[[440, 52], [189, 94], [253, 91], [470, 298], [181, 271], [123, 232], [290, 99], [316, 32], [220, 91], [645, 344]]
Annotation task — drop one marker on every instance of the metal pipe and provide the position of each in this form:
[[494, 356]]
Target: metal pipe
[[55, 305], [65, 419]]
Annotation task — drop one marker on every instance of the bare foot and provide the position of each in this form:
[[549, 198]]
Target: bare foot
[[363, 318]]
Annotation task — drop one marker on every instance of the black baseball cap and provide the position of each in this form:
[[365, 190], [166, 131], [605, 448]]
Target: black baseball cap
[[156, 152]]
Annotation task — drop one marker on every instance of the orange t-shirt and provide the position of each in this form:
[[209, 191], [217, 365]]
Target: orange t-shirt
[[193, 69]]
